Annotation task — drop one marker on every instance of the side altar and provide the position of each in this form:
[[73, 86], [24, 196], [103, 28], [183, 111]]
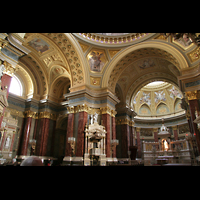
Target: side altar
[[95, 143]]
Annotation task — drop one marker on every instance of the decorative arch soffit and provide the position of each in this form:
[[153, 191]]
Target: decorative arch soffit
[[66, 53], [72, 52], [138, 51]]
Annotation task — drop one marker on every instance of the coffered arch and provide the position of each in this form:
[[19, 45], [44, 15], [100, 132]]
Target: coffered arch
[[127, 56]]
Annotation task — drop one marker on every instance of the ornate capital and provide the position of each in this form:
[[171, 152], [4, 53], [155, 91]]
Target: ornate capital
[[174, 128], [138, 129], [70, 109], [105, 110], [3, 43], [81, 108], [155, 130], [9, 69], [47, 115], [192, 95]]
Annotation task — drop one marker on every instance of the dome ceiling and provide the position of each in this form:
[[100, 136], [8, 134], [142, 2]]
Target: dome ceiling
[[157, 100]]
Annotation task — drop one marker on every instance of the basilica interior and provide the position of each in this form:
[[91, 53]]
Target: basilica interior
[[99, 99]]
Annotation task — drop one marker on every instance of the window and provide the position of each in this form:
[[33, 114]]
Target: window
[[15, 86]]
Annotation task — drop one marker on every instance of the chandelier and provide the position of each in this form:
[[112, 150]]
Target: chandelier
[[193, 37]]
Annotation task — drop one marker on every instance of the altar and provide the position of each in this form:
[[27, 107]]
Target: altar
[[95, 143], [165, 150]]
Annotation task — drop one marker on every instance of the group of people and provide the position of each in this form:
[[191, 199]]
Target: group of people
[[34, 161]]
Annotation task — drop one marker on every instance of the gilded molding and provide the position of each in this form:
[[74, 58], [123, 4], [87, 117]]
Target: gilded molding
[[124, 121], [47, 115]]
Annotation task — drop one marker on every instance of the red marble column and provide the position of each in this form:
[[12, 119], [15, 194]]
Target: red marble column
[[70, 129], [131, 135], [114, 135], [155, 130], [194, 105], [138, 143], [82, 120], [45, 127], [42, 141], [106, 123], [5, 81], [125, 140], [26, 133], [175, 132]]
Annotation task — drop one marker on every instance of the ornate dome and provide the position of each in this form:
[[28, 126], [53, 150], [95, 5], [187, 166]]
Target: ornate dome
[[158, 99]]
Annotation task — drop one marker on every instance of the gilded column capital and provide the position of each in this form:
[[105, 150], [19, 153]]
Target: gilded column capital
[[3, 43], [192, 95], [105, 110], [81, 108], [47, 115], [28, 113], [155, 129], [138, 129], [174, 128], [9, 69], [70, 109]]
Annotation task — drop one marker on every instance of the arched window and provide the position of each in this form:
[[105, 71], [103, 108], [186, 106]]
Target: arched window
[[15, 86]]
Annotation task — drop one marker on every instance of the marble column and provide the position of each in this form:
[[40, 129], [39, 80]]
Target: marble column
[[82, 120], [125, 140], [138, 142], [70, 129], [114, 135], [175, 132], [106, 123], [26, 133], [155, 131]]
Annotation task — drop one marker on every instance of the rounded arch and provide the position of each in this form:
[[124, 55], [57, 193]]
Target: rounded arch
[[180, 64], [83, 61], [59, 87]]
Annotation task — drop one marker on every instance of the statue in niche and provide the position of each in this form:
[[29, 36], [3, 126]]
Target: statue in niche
[[7, 143], [2, 68], [95, 117]]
